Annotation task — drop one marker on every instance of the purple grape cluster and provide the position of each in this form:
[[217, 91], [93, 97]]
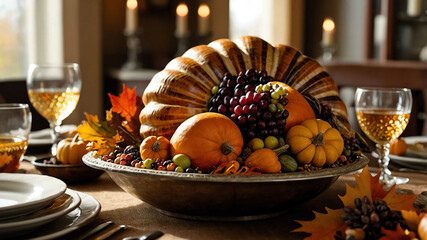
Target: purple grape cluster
[[257, 109]]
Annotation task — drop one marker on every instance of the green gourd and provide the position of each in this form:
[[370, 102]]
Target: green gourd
[[289, 164]]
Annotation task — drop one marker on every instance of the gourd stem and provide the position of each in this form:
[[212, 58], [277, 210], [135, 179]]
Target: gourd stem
[[318, 140], [226, 148], [281, 149], [156, 146]]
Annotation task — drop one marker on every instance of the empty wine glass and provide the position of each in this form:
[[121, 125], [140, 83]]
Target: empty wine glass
[[15, 126], [54, 91], [383, 114]]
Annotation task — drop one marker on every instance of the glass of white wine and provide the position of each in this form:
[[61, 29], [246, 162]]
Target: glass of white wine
[[15, 126], [54, 91], [383, 114]]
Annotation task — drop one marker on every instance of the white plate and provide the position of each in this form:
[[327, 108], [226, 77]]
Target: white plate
[[412, 150], [21, 194], [79, 217], [19, 227]]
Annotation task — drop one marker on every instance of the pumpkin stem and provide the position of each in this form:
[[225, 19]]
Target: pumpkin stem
[[75, 138], [281, 149], [156, 146], [226, 148], [318, 140]]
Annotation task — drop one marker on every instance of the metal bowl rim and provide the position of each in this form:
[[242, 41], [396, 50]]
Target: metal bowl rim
[[90, 160]]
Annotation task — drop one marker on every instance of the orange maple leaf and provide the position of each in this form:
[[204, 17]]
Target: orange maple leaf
[[398, 234], [125, 104], [367, 185], [324, 226], [412, 218]]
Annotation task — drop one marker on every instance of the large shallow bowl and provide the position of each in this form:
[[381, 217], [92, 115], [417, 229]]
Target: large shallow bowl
[[221, 197]]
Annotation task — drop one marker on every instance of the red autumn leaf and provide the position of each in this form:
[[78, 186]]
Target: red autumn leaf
[[324, 226], [398, 234], [369, 186], [125, 103]]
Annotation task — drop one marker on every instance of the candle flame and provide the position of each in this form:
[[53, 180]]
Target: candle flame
[[328, 25], [204, 10], [182, 10], [132, 4]]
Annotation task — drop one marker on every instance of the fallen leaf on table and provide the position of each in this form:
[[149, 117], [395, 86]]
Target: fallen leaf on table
[[398, 234], [367, 185], [332, 226], [324, 226]]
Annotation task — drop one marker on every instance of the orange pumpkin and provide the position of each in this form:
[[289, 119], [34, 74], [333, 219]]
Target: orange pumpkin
[[209, 139], [398, 147], [299, 109], [264, 160], [154, 147], [315, 141]]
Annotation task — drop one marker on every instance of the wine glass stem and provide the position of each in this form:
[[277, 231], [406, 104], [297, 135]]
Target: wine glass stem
[[55, 127], [383, 160]]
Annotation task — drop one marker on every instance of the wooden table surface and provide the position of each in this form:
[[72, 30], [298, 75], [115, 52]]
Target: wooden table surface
[[139, 217]]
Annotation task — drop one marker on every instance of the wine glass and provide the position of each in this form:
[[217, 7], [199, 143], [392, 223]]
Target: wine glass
[[383, 114], [54, 91], [15, 119]]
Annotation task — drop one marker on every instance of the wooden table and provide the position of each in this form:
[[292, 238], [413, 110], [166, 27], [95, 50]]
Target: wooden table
[[122, 208]]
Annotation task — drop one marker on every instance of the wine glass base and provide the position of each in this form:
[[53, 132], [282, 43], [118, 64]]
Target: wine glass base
[[391, 180]]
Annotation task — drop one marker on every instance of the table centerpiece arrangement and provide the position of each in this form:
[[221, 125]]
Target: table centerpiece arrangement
[[224, 128]]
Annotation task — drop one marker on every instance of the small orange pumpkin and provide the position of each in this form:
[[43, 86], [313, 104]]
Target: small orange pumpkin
[[299, 109], [264, 160], [71, 150], [154, 147], [209, 139], [315, 142], [398, 147]]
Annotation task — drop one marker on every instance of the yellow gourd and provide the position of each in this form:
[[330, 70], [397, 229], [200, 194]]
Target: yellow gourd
[[71, 150], [315, 141]]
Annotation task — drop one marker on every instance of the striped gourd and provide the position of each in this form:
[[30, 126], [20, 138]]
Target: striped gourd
[[182, 89]]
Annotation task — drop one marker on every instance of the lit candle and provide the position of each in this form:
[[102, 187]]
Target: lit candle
[[203, 27], [131, 16], [181, 20], [328, 32], [414, 8]]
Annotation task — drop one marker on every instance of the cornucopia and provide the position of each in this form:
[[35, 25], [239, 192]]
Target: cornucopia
[[228, 108]]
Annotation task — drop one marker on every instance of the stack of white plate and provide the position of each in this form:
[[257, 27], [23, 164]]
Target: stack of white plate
[[29, 204]]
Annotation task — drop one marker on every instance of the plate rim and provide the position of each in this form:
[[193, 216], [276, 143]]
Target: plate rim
[[57, 186], [90, 160], [411, 140], [84, 200], [48, 217]]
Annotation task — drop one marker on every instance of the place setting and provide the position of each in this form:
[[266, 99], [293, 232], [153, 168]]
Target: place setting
[[34, 206]]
